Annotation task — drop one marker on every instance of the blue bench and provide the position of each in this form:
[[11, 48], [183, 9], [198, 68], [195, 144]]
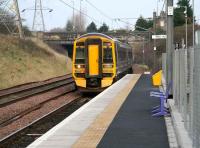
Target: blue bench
[[161, 110]]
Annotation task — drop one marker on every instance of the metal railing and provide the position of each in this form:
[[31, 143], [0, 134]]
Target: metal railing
[[196, 98], [186, 89]]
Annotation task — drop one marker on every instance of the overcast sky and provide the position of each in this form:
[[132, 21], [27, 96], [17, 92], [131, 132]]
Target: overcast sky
[[112, 8]]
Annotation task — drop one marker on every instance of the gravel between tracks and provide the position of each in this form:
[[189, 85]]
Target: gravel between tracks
[[46, 108], [15, 108]]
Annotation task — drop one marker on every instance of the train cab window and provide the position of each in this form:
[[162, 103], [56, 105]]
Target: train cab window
[[107, 55], [80, 44], [80, 55], [122, 54]]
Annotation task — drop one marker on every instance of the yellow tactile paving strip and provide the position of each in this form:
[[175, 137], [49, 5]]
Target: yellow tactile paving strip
[[92, 136]]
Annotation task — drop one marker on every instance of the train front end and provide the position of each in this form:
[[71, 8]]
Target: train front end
[[94, 62]]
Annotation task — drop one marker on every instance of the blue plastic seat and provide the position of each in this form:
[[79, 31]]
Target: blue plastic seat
[[161, 110]]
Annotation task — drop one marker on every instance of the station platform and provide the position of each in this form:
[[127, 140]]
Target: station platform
[[119, 117]]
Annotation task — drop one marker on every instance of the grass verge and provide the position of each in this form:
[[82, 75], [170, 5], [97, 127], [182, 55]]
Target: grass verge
[[30, 60]]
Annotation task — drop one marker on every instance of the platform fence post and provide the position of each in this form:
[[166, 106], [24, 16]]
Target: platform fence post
[[196, 98]]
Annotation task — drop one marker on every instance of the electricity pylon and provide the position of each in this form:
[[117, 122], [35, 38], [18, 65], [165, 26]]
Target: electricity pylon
[[38, 19], [10, 17]]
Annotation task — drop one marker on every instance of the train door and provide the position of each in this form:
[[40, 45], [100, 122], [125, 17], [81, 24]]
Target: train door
[[94, 60]]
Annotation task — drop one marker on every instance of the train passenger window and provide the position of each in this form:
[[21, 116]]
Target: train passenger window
[[122, 54], [80, 55], [107, 55]]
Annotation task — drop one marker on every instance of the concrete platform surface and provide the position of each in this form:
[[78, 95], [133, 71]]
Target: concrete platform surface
[[133, 126], [183, 139], [69, 131], [118, 117]]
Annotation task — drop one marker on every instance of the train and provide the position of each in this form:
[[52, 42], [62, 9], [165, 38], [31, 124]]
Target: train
[[99, 60]]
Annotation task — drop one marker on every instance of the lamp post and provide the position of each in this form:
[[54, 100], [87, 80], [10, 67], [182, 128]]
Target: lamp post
[[169, 41], [154, 42], [186, 26], [193, 22], [73, 17], [143, 53], [80, 15]]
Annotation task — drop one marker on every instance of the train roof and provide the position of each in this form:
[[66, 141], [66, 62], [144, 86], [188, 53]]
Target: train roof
[[98, 34], [105, 36]]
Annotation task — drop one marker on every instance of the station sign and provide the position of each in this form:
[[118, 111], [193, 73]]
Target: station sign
[[197, 37], [170, 10], [154, 37]]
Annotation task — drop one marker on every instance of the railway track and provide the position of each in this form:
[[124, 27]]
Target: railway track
[[31, 109], [26, 135], [14, 94], [53, 100], [19, 101]]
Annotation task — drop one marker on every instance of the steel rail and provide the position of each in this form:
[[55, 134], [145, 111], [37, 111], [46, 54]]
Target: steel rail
[[33, 108], [49, 115], [41, 87]]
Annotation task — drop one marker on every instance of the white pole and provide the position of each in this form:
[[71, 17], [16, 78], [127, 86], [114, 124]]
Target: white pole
[[193, 23], [143, 52], [73, 19], [80, 16], [186, 28], [170, 40]]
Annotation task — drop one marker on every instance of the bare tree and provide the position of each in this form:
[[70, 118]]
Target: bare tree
[[79, 23], [69, 26]]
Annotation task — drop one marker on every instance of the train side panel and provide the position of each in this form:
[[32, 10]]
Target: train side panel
[[124, 59]]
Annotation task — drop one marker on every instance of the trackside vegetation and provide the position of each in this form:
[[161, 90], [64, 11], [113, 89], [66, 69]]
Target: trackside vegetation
[[23, 61]]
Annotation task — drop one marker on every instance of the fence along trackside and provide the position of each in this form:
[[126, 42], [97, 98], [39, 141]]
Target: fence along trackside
[[186, 84]]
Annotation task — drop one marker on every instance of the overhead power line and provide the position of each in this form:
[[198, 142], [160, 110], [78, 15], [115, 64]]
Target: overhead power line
[[118, 25], [134, 25], [38, 17], [100, 11], [133, 18], [104, 14], [93, 19]]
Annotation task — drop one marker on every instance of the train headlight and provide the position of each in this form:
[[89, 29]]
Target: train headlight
[[108, 66], [79, 66]]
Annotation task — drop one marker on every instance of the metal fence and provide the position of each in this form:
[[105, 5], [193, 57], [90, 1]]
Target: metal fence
[[186, 89], [196, 98]]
